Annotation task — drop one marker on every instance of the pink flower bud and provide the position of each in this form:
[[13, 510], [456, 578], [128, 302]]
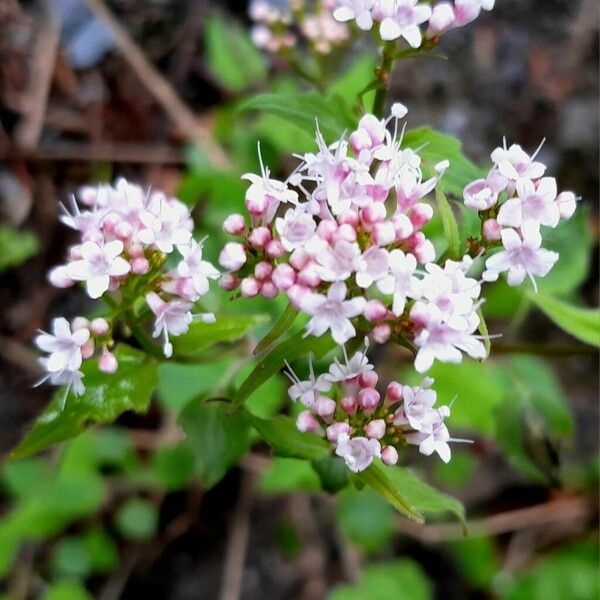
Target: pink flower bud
[[299, 259], [136, 251], [375, 429], [346, 233], [263, 270], [368, 398], [93, 235], [307, 423], [259, 237], [389, 455], [140, 266], [326, 229], [324, 406], [87, 350], [393, 393], [368, 379], [309, 276], [425, 252], [58, 277], [373, 213], [269, 289], [337, 429], [233, 256], [110, 221], [80, 323], [349, 217], [234, 224], [123, 230], [274, 249], [75, 252], [383, 233], [381, 333], [107, 362], [99, 326], [296, 294], [402, 226], [249, 287], [256, 205], [284, 277], [492, 229], [421, 214], [349, 404], [375, 310], [229, 282]]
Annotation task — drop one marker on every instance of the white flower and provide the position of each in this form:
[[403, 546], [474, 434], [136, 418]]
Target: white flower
[[534, 203], [307, 392], [295, 229], [514, 162], [400, 282], [438, 340], [351, 368], [165, 224], [401, 18], [357, 452], [337, 263], [173, 317], [97, 265], [359, 10], [522, 257], [332, 312], [72, 379], [63, 346], [434, 435], [372, 266], [417, 405], [193, 267]]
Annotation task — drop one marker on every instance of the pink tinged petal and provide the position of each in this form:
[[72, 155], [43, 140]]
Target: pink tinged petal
[[354, 307], [155, 302], [112, 249], [343, 14], [516, 275], [47, 343], [544, 261], [443, 450], [498, 262], [510, 213], [78, 270], [81, 336], [398, 304], [90, 250], [342, 330], [422, 12], [389, 29], [506, 168], [97, 285], [61, 328], [510, 239], [364, 20], [337, 292], [427, 446], [547, 188], [524, 187], [424, 360], [412, 34], [118, 267], [57, 361]]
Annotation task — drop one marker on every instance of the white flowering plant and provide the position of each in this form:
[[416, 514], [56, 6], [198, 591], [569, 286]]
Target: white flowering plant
[[364, 237]]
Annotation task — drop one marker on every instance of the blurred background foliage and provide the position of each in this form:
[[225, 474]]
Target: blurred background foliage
[[159, 505]]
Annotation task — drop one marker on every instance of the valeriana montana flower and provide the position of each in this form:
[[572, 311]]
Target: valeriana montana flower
[[416, 406], [401, 18], [63, 345], [195, 268], [522, 257], [97, 265], [309, 390], [434, 435], [358, 10], [514, 162], [400, 281], [357, 452], [332, 312], [172, 318], [533, 204]]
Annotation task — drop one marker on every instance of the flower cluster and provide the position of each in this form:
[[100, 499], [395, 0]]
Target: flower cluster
[[344, 406], [342, 238], [404, 18], [514, 201], [277, 27], [126, 236]]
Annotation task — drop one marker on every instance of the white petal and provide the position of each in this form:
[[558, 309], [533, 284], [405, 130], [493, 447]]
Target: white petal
[[97, 285]]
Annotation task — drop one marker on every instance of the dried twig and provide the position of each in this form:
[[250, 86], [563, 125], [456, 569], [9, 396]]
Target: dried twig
[[40, 77], [160, 88]]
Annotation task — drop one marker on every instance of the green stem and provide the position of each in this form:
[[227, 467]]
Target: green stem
[[384, 72]]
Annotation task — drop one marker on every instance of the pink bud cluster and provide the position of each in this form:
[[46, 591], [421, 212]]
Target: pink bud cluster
[[342, 238], [344, 406], [404, 18], [278, 29], [514, 201], [126, 236]]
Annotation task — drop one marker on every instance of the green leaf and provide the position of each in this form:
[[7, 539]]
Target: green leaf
[[377, 477], [332, 472], [289, 350], [102, 550], [71, 558], [352, 81], [365, 518], [105, 398], [218, 440], [305, 110], [67, 590], [201, 336], [423, 497], [267, 400], [23, 478], [282, 324], [288, 475], [174, 466], [16, 247], [285, 439], [232, 57], [448, 222], [581, 323], [399, 580], [478, 560], [137, 519], [438, 147]]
